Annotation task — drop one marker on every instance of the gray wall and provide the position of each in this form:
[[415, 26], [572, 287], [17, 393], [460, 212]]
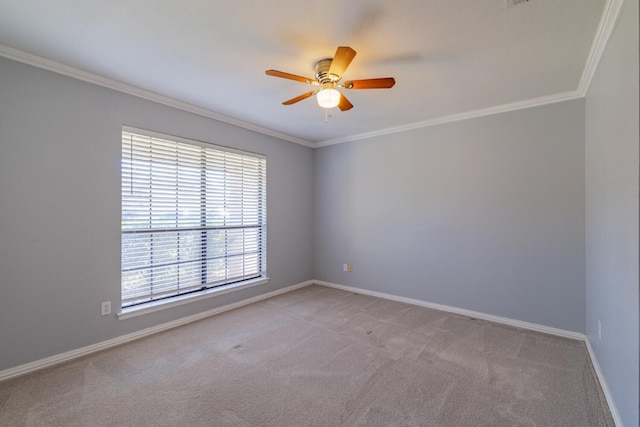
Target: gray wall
[[60, 209], [484, 214], [612, 214]]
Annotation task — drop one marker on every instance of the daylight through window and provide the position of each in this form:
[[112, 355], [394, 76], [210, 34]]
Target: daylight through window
[[193, 217]]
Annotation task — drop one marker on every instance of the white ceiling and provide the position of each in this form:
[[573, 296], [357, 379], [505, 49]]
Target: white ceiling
[[449, 57]]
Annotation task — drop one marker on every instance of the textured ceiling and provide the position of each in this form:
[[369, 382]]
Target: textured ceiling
[[448, 56]]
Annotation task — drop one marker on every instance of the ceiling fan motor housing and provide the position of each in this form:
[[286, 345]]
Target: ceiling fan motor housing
[[322, 72], [328, 74]]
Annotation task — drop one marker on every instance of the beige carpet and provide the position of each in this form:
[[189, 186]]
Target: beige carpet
[[320, 357]]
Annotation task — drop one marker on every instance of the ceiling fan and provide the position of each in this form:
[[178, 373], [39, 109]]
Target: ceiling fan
[[328, 75]]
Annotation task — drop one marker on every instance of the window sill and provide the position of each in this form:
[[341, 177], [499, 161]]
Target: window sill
[[186, 299]]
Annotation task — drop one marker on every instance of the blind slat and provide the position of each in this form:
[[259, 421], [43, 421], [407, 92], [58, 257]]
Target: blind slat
[[193, 217]]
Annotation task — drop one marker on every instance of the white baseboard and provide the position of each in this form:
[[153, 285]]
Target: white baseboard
[[80, 352], [504, 320], [461, 311], [605, 387]]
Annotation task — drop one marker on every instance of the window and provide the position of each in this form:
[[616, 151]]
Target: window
[[193, 217]]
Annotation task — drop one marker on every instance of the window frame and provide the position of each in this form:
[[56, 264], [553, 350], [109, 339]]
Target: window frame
[[204, 289]]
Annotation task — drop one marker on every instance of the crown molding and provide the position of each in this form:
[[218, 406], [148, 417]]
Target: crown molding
[[108, 83], [544, 100], [606, 26]]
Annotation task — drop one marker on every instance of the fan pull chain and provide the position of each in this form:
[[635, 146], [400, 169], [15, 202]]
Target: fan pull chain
[[327, 116]]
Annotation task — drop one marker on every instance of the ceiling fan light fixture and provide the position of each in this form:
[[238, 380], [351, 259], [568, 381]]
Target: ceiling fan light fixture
[[328, 98], [329, 72]]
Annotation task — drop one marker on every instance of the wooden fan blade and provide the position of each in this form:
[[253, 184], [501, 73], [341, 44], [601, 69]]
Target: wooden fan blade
[[341, 60], [300, 98], [282, 74], [382, 83], [344, 104]]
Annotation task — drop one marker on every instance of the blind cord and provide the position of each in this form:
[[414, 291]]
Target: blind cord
[[131, 163]]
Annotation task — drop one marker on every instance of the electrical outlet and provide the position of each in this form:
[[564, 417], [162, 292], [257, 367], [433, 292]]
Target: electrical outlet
[[105, 308], [349, 268], [599, 330]]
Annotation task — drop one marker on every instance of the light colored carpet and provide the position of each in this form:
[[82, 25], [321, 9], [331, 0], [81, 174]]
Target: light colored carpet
[[320, 357]]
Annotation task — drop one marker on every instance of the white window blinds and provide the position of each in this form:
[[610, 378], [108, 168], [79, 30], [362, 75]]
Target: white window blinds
[[193, 217]]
